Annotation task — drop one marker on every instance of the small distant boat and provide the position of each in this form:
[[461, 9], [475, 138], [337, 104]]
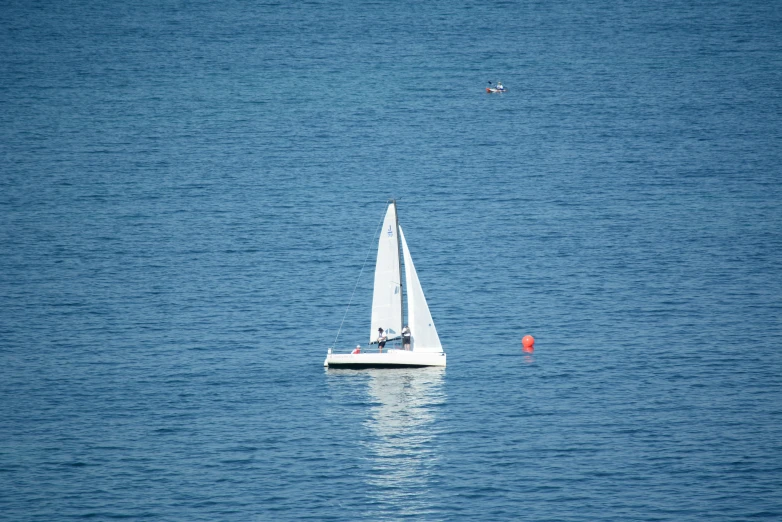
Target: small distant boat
[[498, 89], [425, 348]]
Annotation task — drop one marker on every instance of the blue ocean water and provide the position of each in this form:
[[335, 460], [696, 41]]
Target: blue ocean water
[[190, 189]]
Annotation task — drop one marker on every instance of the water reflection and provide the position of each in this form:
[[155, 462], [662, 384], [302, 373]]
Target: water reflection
[[402, 434], [401, 438]]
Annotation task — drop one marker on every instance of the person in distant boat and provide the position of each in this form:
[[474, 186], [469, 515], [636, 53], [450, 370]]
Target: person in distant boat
[[381, 339], [499, 86], [406, 337]]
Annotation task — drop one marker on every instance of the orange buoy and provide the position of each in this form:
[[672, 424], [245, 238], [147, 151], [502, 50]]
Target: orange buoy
[[528, 343]]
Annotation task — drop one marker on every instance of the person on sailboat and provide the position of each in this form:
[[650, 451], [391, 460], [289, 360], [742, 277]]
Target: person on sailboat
[[406, 337], [381, 339]]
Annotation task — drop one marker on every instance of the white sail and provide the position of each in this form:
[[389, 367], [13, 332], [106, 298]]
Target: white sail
[[387, 297], [419, 319]]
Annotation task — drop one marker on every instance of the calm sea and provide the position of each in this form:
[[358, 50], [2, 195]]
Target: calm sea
[[189, 191]]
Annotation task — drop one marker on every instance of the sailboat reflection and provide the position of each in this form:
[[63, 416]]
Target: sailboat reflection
[[403, 422]]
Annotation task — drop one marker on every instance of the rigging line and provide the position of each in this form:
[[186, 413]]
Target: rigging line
[[382, 218]]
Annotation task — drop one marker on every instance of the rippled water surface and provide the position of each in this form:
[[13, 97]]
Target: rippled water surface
[[189, 191]]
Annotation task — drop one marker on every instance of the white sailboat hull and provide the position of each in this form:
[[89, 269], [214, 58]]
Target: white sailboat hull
[[389, 359]]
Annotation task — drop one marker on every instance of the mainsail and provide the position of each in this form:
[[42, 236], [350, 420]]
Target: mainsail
[[387, 297], [419, 319]]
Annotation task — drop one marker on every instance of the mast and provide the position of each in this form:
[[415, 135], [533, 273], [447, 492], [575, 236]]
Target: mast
[[399, 256]]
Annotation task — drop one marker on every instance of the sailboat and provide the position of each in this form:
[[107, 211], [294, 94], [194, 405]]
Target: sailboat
[[388, 303]]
